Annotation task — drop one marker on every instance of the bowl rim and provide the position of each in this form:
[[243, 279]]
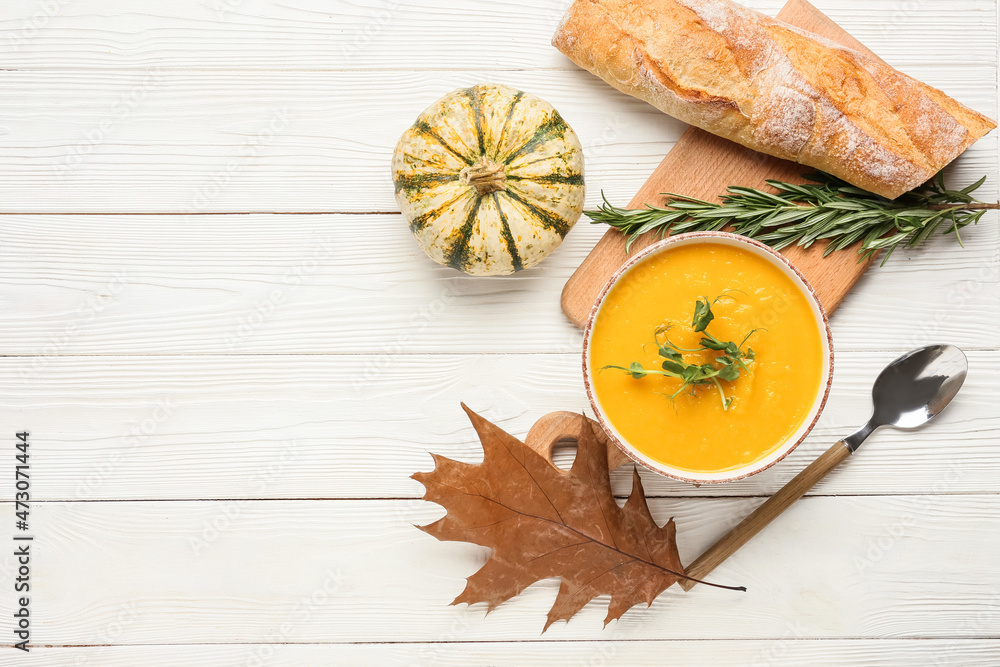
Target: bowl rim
[[807, 289]]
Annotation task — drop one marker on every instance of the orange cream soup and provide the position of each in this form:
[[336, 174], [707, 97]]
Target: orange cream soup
[[695, 434]]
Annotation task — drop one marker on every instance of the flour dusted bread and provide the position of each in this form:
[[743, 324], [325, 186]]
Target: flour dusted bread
[[773, 87]]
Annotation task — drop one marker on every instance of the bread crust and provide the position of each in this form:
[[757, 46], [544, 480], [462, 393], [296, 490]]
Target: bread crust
[[773, 87]]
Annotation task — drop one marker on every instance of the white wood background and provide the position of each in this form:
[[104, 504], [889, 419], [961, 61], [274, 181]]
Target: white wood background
[[231, 355]]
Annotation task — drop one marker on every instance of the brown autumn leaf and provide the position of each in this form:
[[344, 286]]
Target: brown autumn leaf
[[543, 522]]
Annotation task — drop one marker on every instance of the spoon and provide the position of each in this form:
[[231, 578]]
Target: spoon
[[907, 394]]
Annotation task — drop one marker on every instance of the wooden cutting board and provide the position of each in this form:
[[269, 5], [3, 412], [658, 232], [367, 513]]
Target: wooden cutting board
[[703, 165]]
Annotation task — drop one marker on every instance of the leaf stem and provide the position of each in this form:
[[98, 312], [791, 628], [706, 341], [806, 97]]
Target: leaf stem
[[708, 583], [722, 393]]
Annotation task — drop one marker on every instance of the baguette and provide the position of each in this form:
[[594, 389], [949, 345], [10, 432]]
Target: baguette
[[773, 88]]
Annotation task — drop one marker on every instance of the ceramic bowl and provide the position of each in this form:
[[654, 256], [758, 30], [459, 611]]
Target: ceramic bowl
[[822, 322]]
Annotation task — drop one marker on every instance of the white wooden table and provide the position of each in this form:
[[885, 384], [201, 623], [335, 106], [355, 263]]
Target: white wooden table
[[230, 356]]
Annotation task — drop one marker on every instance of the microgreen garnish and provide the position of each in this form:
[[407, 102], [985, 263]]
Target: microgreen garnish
[[727, 366]]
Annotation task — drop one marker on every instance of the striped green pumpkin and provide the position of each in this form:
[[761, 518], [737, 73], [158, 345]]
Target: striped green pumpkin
[[490, 179]]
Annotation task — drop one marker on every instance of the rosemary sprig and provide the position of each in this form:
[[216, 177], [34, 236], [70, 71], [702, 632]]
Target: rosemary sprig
[[828, 209], [726, 366]]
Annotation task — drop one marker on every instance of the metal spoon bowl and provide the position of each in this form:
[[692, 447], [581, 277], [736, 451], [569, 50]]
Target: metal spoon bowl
[[913, 389]]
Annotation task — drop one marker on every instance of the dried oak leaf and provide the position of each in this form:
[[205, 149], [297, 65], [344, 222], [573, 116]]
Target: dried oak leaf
[[543, 522]]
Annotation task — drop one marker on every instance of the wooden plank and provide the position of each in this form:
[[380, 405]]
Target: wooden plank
[[786, 651], [262, 284], [340, 34], [702, 165], [186, 142], [358, 571], [196, 142], [193, 427]]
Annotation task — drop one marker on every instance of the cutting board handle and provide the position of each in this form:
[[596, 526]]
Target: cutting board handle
[[558, 426]]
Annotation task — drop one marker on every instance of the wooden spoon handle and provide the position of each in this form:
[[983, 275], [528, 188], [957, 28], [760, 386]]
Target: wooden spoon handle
[[764, 514]]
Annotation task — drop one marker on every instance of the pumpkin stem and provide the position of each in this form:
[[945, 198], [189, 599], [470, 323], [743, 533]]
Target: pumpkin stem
[[486, 176]]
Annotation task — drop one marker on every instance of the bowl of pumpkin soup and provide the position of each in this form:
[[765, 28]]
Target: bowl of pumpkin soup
[[707, 357]]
